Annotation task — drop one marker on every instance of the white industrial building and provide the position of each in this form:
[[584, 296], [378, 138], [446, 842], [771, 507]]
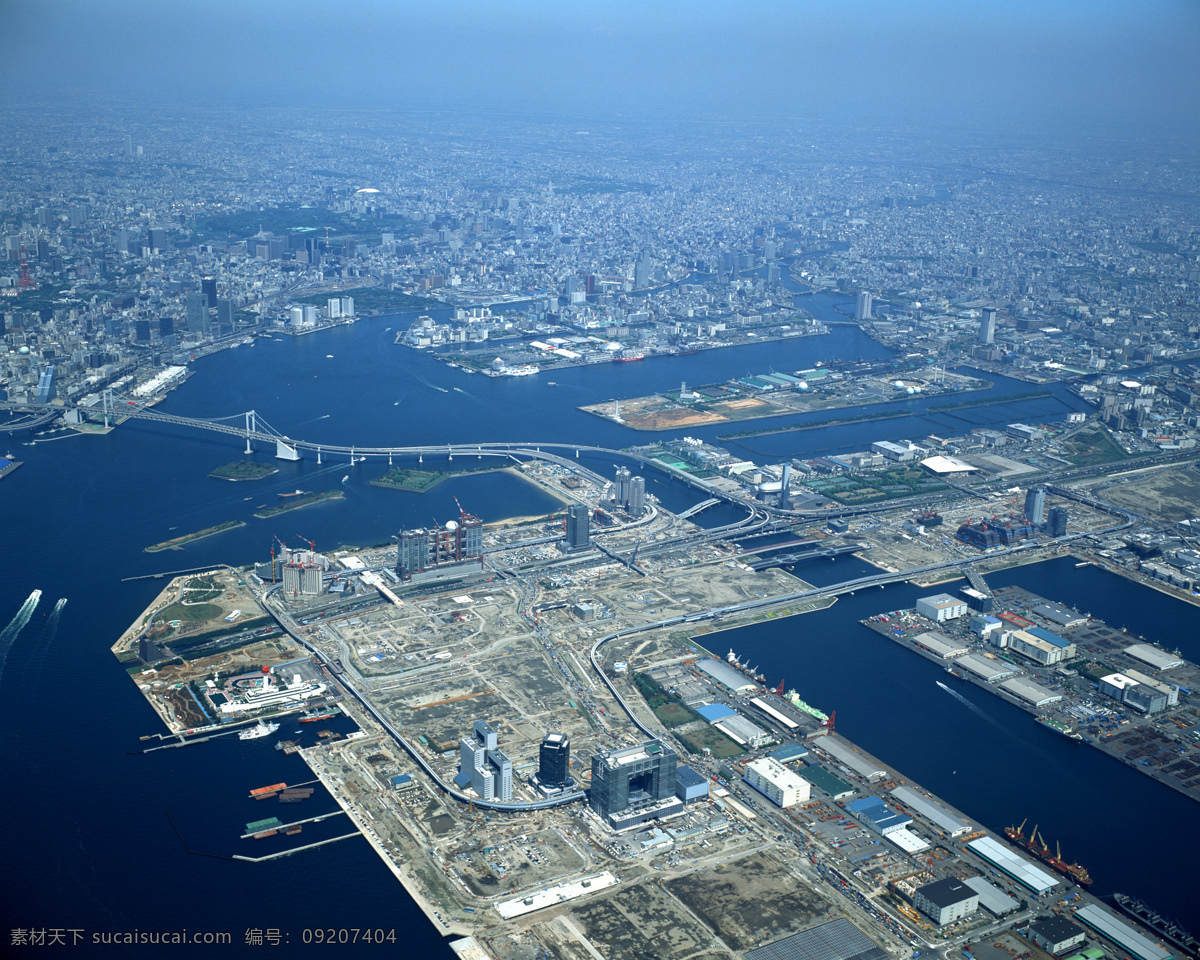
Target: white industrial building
[[940, 645], [941, 606], [946, 901], [1029, 691], [774, 780], [1035, 648]]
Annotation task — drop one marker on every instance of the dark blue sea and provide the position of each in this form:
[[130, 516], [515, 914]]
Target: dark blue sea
[[104, 842]]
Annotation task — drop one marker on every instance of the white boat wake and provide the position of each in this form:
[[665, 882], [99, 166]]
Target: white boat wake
[[16, 625]]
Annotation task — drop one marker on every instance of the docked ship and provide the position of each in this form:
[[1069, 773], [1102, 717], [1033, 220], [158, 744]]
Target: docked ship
[[625, 356], [319, 714], [1037, 846], [260, 729], [1058, 727], [1166, 928], [266, 693]]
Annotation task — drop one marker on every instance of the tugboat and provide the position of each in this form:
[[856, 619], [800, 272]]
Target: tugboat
[[1037, 846], [260, 729]]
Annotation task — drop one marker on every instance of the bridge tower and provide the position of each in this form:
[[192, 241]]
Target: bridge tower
[[318, 456], [251, 428]]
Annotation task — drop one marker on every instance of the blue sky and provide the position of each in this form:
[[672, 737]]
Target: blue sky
[[1132, 59]]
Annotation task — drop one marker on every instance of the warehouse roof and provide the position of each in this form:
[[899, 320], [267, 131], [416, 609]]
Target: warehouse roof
[[725, 674], [1063, 616], [715, 711], [1029, 691], [847, 755], [836, 940], [1158, 659], [1049, 637], [991, 897], [940, 645], [1120, 933], [1016, 867], [989, 670], [935, 813], [946, 892]]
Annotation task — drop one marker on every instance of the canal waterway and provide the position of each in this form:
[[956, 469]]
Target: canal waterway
[[98, 837]]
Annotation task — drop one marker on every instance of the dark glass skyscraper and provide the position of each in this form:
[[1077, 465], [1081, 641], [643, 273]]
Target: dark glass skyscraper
[[578, 526], [640, 776], [554, 760]]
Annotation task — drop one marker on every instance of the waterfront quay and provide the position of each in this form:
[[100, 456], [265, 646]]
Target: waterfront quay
[[605, 645], [1102, 687]]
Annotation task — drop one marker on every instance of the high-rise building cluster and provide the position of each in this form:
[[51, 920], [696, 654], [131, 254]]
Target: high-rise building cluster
[[629, 492], [424, 548], [483, 766]]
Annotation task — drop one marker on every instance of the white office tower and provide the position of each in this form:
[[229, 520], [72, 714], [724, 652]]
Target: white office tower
[[862, 307]]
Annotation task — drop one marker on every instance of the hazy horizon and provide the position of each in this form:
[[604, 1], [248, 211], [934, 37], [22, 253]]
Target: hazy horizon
[[1009, 64]]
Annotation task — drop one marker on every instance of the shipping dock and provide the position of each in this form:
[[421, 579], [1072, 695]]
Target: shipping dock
[[1125, 701], [1037, 846]]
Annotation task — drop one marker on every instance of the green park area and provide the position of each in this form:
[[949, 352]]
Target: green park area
[[871, 487], [244, 470], [190, 612], [420, 481], [372, 298], [1091, 447]]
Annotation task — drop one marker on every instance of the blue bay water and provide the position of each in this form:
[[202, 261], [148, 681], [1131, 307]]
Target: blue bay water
[[96, 849]]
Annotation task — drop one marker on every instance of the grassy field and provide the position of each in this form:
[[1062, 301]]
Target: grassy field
[[669, 709], [721, 746], [190, 612], [1091, 447]]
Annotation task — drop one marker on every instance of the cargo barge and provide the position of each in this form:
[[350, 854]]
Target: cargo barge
[[8, 465], [1166, 928]]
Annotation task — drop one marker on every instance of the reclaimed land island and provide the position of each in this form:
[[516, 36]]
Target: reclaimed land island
[[421, 481], [780, 394], [296, 502], [749, 808], [177, 543], [244, 470]]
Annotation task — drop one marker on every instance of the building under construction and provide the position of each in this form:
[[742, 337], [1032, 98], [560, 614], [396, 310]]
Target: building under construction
[[452, 542], [995, 532], [300, 571]]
